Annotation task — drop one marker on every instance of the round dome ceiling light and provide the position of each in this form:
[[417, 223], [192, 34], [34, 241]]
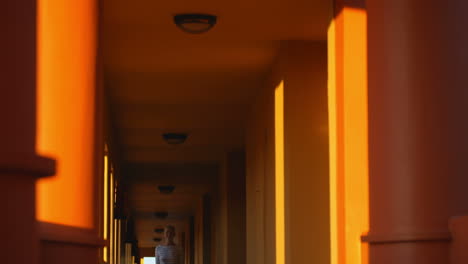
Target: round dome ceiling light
[[175, 138], [195, 23], [161, 215], [166, 189]]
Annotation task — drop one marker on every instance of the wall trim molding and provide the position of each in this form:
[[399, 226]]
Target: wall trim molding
[[408, 237], [27, 164], [49, 232]]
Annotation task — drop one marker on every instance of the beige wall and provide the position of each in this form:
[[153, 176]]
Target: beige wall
[[302, 67]]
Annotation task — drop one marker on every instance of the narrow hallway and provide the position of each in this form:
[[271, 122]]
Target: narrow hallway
[[234, 132]]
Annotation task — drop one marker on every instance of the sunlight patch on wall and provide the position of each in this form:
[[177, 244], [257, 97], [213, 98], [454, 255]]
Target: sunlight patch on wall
[[105, 206], [348, 126], [66, 52], [279, 174], [332, 120], [106, 195], [356, 133]]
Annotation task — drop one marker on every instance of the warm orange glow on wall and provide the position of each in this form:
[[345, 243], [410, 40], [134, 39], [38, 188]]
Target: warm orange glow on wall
[[104, 254], [106, 197], [65, 116], [347, 38], [333, 138], [105, 205], [356, 132], [279, 175]]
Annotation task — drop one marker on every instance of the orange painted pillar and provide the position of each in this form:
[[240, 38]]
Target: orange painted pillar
[[19, 164], [347, 109], [418, 144]]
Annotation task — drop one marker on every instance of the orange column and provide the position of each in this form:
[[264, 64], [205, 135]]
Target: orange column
[[347, 109], [418, 129], [19, 164]]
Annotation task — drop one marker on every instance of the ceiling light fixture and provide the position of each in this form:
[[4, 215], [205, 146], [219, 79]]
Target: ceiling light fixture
[[174, 138], [195, 23], [166, 189], [159, 230], [161, 215]]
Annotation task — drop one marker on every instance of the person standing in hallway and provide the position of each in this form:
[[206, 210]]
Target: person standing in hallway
[[168, 252]]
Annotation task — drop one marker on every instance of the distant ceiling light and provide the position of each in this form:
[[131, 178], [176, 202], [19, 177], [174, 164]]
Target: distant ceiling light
[[175, 138], [166, 189], [161, 215], [159, 230], [157, 239], [195, 23]]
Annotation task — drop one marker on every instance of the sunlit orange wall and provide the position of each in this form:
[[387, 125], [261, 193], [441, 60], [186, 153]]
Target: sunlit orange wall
[[347, 50], [66, 93]]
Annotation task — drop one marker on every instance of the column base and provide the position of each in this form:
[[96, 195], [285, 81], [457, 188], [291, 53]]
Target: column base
[[411, 248], [18, 175]]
